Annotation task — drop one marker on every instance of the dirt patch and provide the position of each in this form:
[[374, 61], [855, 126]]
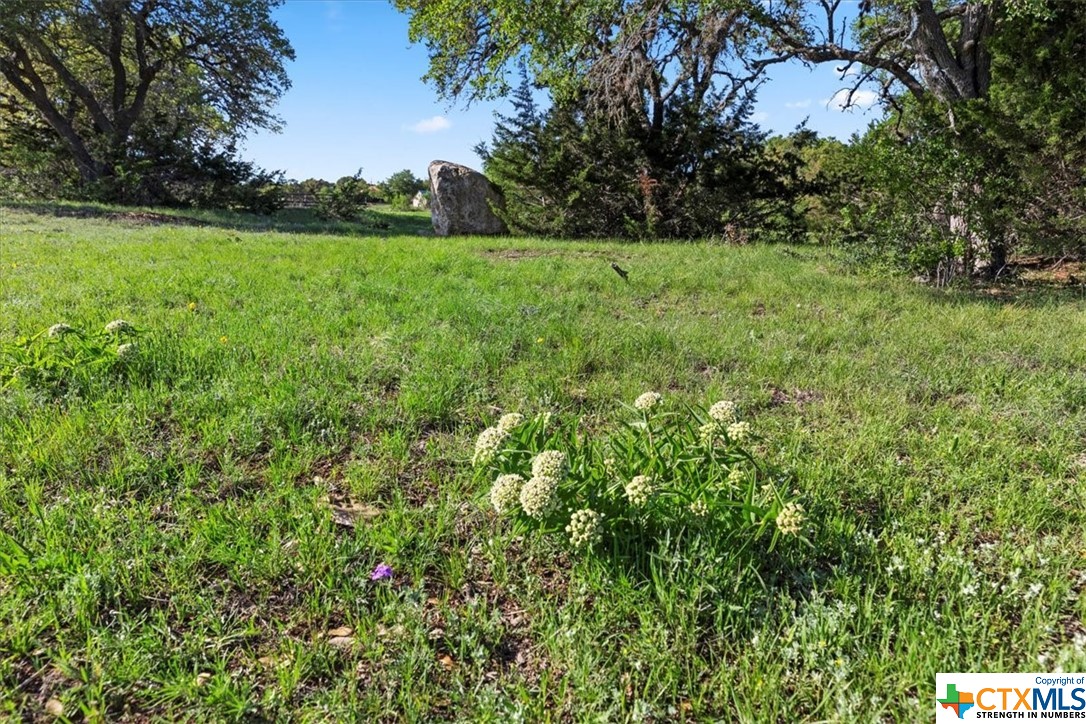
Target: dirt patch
[[133, 217], [328, 468], [35, 684], [150, 217], [1037, 272], [797, 397], [1049, 270]]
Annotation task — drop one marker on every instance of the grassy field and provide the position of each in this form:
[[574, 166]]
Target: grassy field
[[189, 533]]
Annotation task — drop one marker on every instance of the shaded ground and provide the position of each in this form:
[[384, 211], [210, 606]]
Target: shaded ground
[[378, 220]]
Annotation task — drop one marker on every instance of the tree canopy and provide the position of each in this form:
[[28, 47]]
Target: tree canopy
[[403, 184], [92, 73], [923, 46], [632, 57], [958, 74]]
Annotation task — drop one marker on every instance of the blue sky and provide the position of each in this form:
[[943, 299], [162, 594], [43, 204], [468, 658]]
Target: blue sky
[[357, 100]]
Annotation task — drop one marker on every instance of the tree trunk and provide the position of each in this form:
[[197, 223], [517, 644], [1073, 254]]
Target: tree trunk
[[958, 71], [997, 252], [32, 88], [985, 245]]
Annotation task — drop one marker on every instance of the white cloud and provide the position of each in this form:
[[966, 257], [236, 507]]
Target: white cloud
[[333, 16], [805, 103], [759, 117], [432, 125], [860, 99]]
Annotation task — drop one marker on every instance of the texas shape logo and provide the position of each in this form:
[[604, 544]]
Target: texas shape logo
[[957, 701]]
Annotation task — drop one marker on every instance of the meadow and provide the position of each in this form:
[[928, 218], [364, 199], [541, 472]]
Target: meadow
[[191, 530]]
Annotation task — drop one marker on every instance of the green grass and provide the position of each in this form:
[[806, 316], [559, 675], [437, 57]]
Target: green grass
[[374, 220], [168, 547]]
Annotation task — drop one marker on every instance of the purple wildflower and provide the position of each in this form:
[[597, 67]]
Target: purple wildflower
[[383, 570]]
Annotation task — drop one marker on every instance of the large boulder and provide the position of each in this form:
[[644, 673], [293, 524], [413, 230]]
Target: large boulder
[[462, 201]]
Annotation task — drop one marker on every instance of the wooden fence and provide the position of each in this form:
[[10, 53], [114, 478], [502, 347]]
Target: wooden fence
[[299, 201]]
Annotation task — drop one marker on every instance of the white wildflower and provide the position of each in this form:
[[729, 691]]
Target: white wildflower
[[708, 432], [638, 490], [543, 418], [736, 476], [647, 401], [488, 445], [508, 422], [537, 496], [584, 528], [609, 465], [126, 350], [505, 494], [723, 411], [59, 330], [739, 431], [550, 464], [119, 326], [969, 589], [790, 519], [699, 508]]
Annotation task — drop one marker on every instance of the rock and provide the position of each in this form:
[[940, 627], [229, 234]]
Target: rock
[[341, 642], [420, 201], [462, 201]]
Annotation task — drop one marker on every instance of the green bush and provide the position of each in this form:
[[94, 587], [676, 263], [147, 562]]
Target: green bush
[[63, 359], [344, 201], [258, 198], [570, 171], [400, 202]]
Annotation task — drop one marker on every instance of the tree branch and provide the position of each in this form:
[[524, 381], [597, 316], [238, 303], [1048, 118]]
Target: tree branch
[[31, 86], [80, 90]]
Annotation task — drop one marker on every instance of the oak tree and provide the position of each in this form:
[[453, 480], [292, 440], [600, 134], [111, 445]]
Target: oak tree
[[96, 73]]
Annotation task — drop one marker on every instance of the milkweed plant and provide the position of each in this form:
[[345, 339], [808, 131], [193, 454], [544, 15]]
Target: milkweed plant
[[661, 471], [62, 355]]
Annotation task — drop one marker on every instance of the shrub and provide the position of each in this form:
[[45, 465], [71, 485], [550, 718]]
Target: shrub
[[570, 171], [264, 194], [63, 359], [343, 201], [661, 474], [399, 202]]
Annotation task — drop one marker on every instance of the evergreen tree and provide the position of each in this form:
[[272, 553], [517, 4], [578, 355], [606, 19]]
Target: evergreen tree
[[513, 161], [572, 172]]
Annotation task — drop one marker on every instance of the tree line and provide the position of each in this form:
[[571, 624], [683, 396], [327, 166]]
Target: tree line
[[981, 151], [645, 126]]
